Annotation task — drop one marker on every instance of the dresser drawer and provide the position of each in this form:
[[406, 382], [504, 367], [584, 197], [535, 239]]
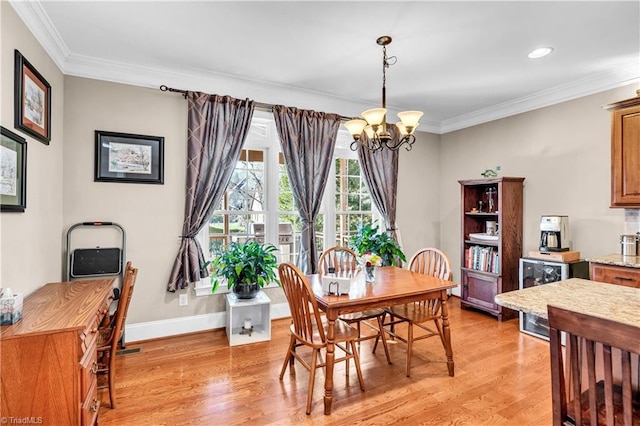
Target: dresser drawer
[[620, 275], [89, 335], [90, 407], [88, 370]]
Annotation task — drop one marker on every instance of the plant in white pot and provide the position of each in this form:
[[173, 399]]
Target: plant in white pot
[[247, 267]]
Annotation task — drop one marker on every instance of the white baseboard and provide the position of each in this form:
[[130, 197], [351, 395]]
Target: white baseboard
[[174, 326]]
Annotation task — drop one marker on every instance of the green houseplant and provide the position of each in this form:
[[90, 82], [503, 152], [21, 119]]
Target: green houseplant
[[369, 240], [247, 267]]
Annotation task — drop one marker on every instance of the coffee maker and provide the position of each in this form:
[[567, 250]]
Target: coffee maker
[[554, 233]]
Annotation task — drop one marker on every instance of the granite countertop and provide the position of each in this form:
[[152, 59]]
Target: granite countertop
[[609, 301], [616, 259]]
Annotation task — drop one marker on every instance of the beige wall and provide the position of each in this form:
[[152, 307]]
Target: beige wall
[[418, 209], [30, 249], [563, 151], [150, 214]]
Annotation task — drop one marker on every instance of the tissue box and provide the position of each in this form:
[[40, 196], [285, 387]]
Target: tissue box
[[336, 284], [11, 309]]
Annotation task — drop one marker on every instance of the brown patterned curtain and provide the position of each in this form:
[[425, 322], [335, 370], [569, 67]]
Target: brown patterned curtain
[[308, 140], [380, 171], [218, 127]]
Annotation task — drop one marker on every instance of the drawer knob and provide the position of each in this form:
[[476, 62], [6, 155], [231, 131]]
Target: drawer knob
[[94, 330], [94, 368], [95, 405]]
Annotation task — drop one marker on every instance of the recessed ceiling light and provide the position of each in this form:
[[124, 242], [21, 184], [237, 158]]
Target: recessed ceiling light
[[540, 53]]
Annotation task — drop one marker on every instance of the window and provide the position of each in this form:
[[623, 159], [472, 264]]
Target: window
[[259, 200], [352, 200], [241, 212]]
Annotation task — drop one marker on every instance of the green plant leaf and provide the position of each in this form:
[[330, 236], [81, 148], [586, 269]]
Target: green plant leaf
[[368, 239], [248, 262]]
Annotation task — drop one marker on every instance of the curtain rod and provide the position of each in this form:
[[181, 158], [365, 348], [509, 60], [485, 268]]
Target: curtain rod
[[259, 105]]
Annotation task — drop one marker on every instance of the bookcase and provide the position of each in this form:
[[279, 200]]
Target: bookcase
[[489, 263]]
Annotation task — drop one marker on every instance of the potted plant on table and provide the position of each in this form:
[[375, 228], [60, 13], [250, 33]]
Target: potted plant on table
[[369, 240], [246, 266]]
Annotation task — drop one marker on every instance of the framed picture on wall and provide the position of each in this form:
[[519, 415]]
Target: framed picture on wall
[[13, 172], [123, 157], [32, 97]]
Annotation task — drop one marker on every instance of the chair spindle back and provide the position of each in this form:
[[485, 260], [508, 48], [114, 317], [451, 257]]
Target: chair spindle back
[[302, 303], [585, 393], [342, 259], [431, 261]]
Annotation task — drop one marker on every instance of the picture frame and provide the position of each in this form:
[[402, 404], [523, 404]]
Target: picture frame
[[32, 98], [129, 158], [13, 172]]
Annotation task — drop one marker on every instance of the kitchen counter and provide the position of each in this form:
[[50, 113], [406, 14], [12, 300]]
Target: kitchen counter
[[602, 300], [617, 260]]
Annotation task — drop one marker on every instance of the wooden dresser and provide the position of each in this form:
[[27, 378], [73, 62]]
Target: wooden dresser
[[48, 359]]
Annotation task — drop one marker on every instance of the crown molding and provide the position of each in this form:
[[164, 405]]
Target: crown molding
[[610, 79], [38, 22]]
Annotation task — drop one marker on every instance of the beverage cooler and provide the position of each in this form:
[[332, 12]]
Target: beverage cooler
[[535, 272]]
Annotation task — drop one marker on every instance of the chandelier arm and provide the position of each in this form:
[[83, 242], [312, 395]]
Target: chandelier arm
[[408, 140]]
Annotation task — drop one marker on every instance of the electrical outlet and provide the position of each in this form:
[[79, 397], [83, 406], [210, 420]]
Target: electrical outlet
[[183, 299]]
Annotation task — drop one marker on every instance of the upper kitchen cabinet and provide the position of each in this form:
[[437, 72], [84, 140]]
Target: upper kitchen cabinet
[[625, 152]]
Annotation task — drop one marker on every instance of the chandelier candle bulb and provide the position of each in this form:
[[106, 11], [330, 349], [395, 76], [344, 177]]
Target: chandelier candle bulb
[[410, 118], [375, 116], [355, 126]]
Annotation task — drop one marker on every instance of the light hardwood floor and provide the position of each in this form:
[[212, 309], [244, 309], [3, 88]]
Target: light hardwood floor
[[501, 378]]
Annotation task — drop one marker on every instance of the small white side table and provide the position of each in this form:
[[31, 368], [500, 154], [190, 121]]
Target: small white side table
[[257, 311]]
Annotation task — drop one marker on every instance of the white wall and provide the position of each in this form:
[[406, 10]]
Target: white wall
[[563, 151], [30, 249]]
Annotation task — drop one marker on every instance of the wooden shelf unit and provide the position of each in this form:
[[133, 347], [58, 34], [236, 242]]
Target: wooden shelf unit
[[480, 284]]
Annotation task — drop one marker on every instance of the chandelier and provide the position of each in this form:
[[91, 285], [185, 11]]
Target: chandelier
[[374, 121]]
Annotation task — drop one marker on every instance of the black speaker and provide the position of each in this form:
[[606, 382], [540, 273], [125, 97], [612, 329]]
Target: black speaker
[[96, 261]]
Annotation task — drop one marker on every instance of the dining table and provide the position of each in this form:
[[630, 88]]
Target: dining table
[[392, 286]]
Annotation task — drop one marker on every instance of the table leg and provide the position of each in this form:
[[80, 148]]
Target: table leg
[[446, 332], [328, 381]]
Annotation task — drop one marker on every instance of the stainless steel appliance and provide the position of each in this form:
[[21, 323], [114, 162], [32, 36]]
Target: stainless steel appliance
[[630, 244], [534, 272], [554, 233]]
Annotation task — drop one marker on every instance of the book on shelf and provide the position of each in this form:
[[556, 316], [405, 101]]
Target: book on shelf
[[481, 258]]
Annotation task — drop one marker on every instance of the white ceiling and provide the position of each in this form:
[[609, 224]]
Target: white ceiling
[[462, 63]]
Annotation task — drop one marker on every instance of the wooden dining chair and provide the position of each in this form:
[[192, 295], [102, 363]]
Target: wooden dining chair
[[593, 385], [110, 334], [433, 262], [308, 329], [342, 259]]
